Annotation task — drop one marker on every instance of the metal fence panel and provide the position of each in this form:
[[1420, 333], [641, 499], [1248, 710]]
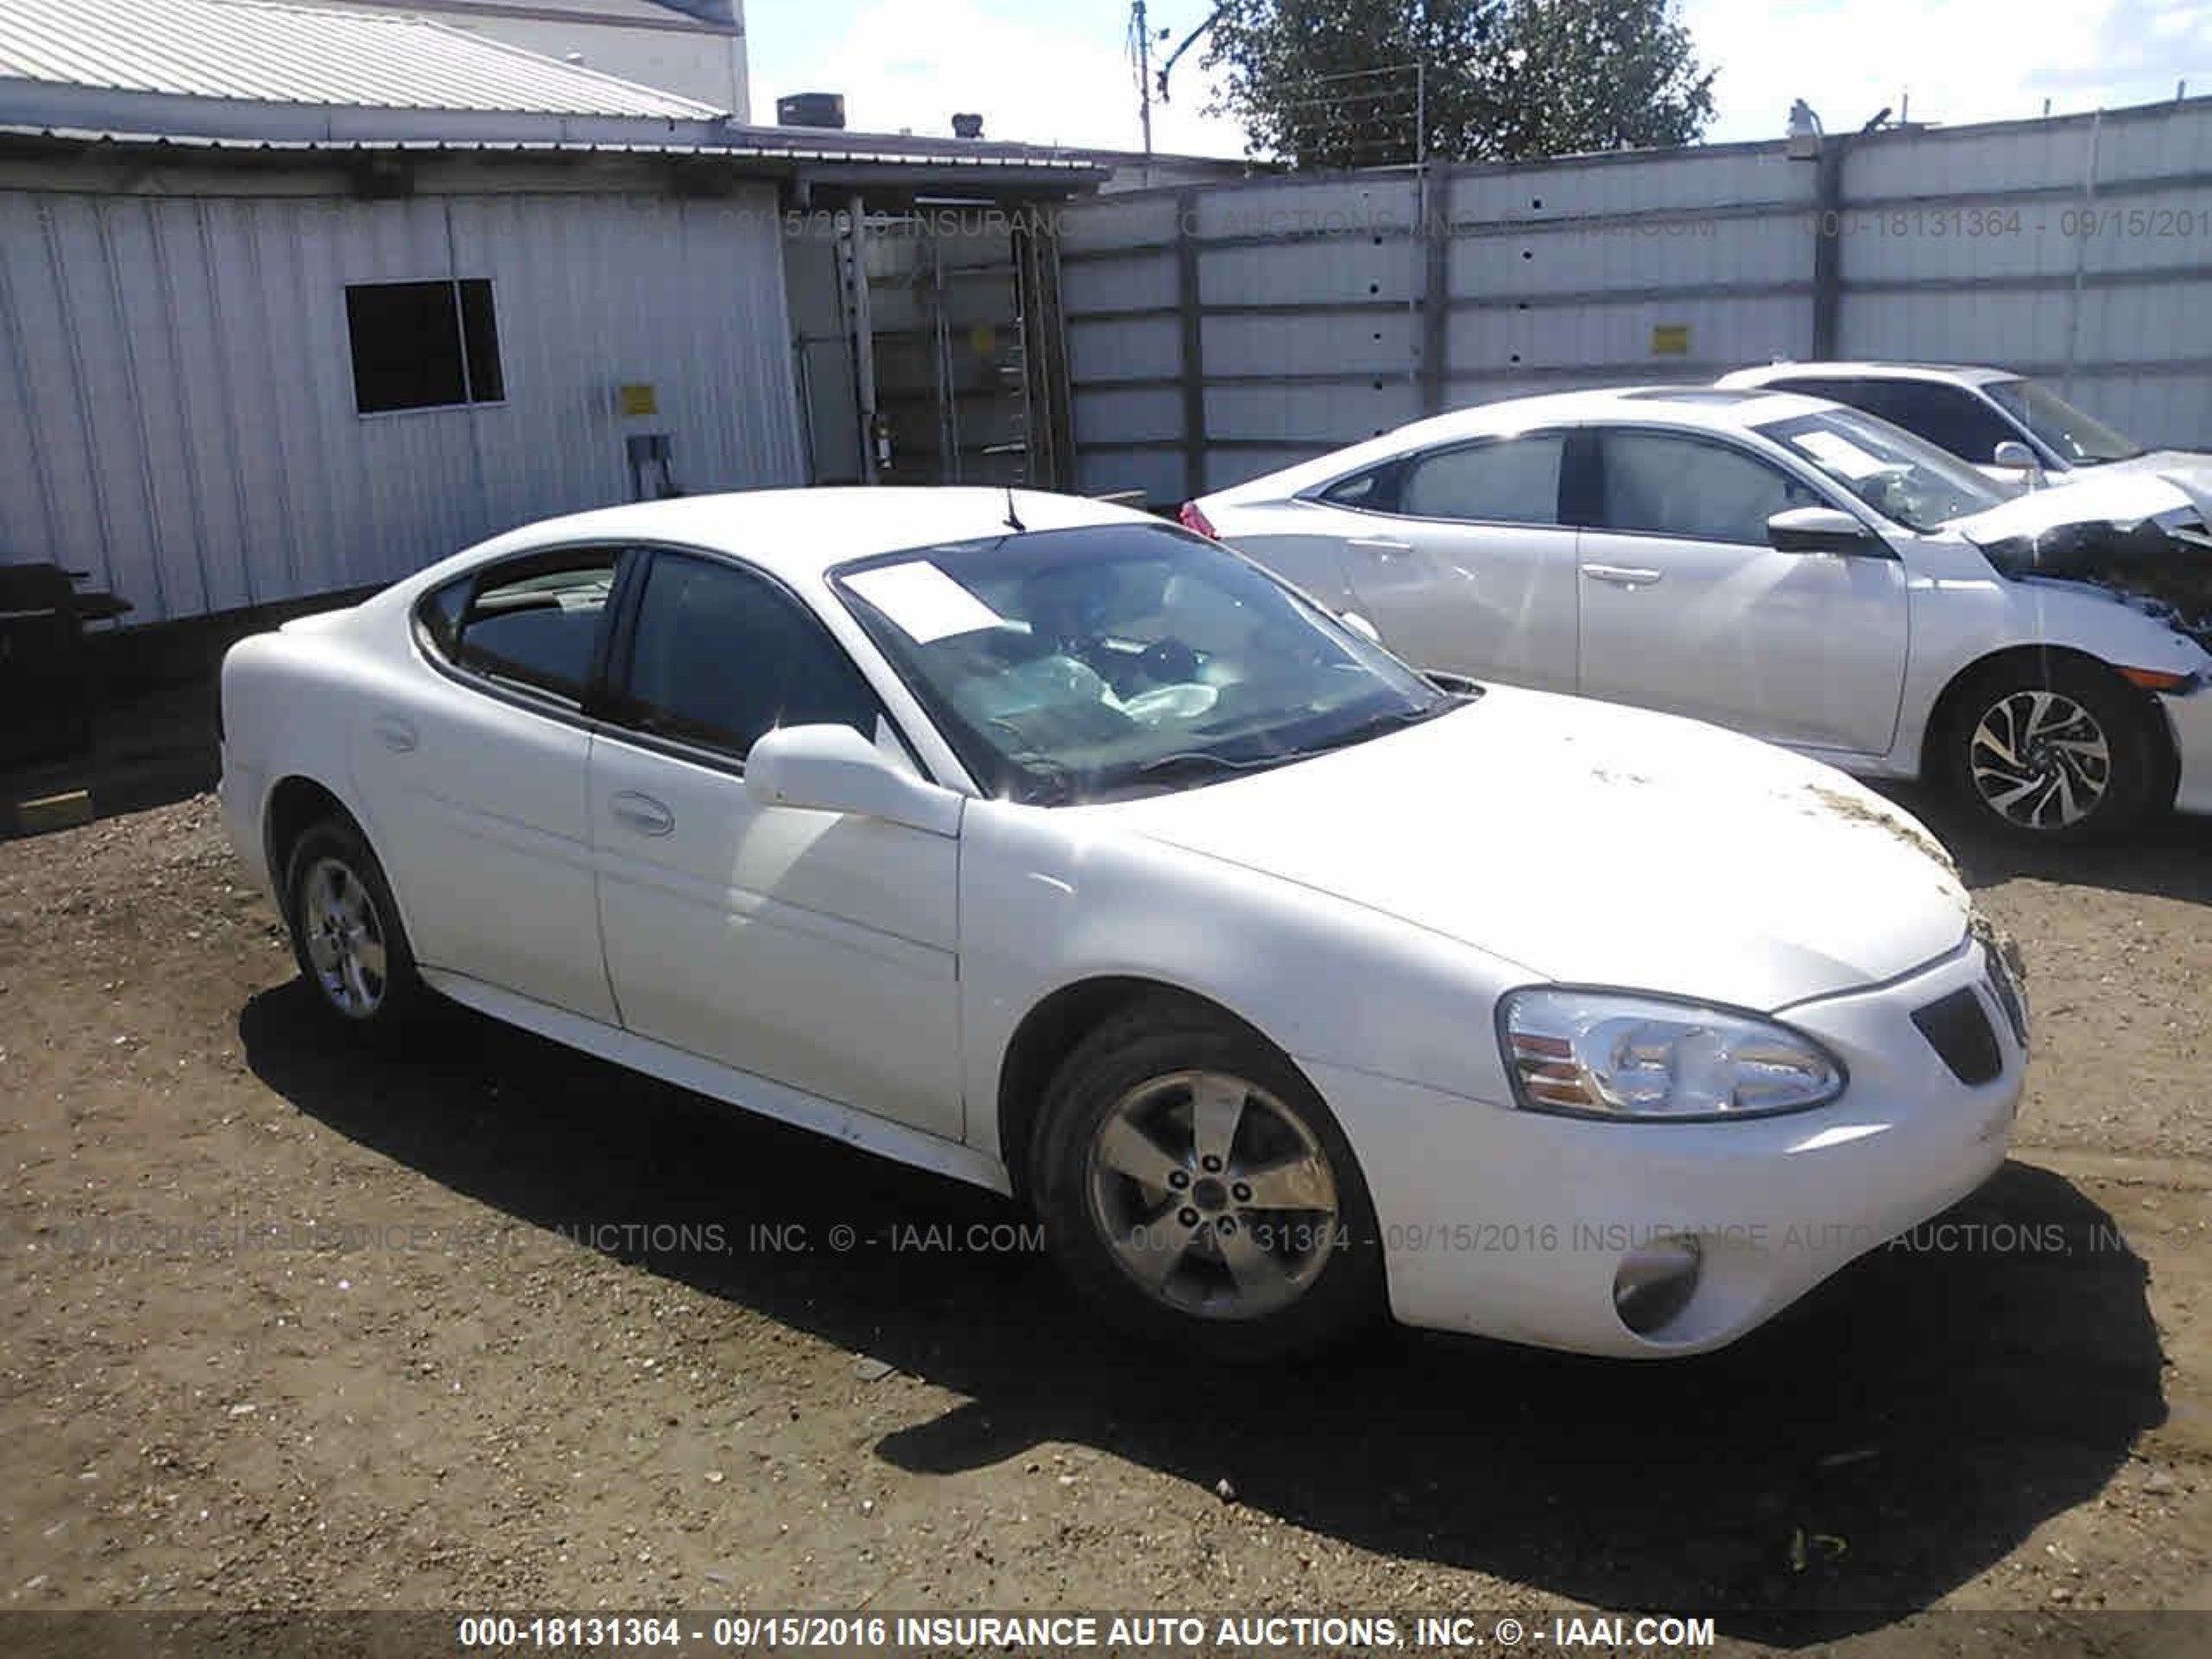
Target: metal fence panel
[[1284, 316]]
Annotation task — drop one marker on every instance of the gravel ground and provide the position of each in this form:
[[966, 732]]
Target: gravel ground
[[293, 1324]]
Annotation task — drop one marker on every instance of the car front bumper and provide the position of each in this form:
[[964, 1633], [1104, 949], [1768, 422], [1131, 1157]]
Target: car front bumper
[[2189, 714], [1509, 1224]]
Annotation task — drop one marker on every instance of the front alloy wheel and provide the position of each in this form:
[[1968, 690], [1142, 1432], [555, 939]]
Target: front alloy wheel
[[1212, 1196], [2040, 760], [1196, 1187], [2060, 750]]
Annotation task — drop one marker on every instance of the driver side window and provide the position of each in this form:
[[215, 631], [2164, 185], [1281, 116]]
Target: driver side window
[[1666, 484], [1950, 417], [720, 657]]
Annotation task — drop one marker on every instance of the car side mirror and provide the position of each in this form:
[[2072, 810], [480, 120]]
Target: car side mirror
[[1822, 530], [835, 769], [2013, 456]]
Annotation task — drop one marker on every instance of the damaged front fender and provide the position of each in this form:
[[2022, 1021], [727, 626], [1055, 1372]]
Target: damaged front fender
[[2145, 545]]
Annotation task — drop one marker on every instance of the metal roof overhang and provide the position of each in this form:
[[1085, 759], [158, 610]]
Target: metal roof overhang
[[40, 118]]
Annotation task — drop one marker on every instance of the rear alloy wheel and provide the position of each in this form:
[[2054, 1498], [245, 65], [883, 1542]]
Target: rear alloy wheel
[[346, 931], [1194, 1186], [2068, 754]]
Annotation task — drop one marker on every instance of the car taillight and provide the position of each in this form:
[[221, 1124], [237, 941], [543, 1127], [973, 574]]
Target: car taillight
[[1191, 519]]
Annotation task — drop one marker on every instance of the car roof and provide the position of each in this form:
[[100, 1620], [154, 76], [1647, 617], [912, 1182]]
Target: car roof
[[1967, 374], [796, 534], [1693, 408]]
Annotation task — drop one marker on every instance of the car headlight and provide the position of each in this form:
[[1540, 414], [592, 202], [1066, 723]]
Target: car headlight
[[1621, 1055]]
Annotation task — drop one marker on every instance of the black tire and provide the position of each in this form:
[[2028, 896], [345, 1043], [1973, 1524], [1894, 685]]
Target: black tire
[[1144, 1049], [2136, 775], [385, 999]]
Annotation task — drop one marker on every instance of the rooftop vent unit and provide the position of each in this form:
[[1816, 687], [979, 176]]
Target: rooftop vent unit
[[812, 110]]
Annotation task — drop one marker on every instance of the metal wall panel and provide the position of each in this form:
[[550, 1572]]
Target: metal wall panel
[[1378, 340], [1134, 414], [1343, 208], [1114, 222], [1313, 417], [1639, 183], [1158, 473], [1297, 314], [179, 374], [1138, 348], [1138, 281], [1610, 337], [1354, 269], [1954, 325]]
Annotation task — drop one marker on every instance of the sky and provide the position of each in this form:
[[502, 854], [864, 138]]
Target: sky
[[1057, 71]]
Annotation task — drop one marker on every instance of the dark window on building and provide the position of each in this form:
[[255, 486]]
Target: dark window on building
[[423, 345]]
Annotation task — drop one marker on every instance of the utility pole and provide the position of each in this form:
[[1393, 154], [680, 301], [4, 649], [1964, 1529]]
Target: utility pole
[[1144, 74]]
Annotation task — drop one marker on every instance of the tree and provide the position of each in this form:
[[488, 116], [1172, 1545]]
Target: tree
[[1585, 75], [1332, 83]]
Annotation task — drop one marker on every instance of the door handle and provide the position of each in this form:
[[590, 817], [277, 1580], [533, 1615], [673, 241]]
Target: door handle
[[396, 734], [1382, 546], [1623, 575], [642, 813]]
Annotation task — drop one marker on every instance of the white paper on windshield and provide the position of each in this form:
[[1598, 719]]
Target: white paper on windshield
[[923, 602], [1841, 453]]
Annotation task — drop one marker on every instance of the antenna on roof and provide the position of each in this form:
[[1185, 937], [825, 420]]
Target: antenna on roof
[[1013, 518]]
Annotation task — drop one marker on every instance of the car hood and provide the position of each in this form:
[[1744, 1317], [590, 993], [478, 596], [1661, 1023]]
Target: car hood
[[2139, 535], [1589, 842], [2105, 496], [2188, 471]]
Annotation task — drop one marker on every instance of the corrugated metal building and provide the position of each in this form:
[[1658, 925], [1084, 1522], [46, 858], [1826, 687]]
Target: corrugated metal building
[[295, 301], [693, 48]]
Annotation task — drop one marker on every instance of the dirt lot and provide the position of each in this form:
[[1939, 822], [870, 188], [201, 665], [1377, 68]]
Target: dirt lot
[[289, 1324]]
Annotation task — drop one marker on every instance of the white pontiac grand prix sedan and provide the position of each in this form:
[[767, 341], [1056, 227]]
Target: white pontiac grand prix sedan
[[1801, 571], [1043, 844]]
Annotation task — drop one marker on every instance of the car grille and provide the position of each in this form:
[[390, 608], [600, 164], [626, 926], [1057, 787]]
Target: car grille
[[1958, 1029]]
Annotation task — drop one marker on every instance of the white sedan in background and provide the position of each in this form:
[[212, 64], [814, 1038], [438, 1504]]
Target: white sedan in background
[[1801, 571], [1037, 843], [1975, 413]]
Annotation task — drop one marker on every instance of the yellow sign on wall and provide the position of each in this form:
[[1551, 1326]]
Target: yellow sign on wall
[[1670, 339], [639, 398]]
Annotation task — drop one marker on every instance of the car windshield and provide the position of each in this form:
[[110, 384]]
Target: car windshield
[[1905, 478], [1070, 665], [2080, 439]]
